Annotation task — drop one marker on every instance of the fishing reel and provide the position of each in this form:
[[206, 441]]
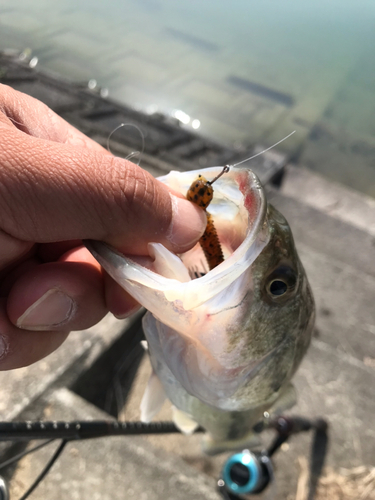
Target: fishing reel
[[245, 473], [250, 472]]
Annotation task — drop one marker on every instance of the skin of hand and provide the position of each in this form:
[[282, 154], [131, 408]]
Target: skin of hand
[[58, 187]]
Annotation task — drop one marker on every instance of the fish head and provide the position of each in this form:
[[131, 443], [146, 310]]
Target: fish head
[[231, 337], [278, 318]]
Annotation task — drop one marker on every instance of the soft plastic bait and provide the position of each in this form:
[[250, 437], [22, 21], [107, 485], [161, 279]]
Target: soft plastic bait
[[201, 193]]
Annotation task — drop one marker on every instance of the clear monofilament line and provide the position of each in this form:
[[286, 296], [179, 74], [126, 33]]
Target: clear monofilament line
[[134, 153], [264, 151]]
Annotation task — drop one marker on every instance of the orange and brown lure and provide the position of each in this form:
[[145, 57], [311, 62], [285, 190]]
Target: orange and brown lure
[[201, 193]]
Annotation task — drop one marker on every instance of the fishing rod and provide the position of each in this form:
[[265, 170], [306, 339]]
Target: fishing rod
[[69, 431], [243, 473], [80, 430]]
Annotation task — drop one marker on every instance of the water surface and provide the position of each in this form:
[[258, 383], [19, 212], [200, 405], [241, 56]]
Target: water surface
[[243, 72]]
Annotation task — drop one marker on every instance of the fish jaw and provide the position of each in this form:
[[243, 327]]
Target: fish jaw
[[182, 362], [192, 317]]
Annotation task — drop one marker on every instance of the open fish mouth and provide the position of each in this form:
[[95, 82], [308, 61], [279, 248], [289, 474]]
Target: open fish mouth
[[193, 318]]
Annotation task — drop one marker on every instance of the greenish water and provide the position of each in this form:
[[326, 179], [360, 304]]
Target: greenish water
[[244, 71]]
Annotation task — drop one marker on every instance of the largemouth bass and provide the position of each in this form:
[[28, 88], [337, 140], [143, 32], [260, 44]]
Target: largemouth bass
[[225, 344]]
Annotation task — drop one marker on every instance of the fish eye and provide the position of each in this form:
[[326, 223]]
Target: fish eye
[[282, 281], [278, 287]]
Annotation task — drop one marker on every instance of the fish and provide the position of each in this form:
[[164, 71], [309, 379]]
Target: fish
[[224, 343]]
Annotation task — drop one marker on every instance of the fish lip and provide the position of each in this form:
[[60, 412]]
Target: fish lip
[[100, 249]]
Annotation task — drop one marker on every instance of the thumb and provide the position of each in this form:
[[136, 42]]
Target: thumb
[[51, 191]]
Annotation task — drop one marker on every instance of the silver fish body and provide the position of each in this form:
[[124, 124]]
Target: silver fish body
[[225, 345]]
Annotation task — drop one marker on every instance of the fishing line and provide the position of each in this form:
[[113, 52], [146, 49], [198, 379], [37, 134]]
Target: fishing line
[[45, 471], [15, 458], [134, 153], [264, 150]]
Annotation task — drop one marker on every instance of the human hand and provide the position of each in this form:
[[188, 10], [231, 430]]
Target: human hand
[[58, 187]]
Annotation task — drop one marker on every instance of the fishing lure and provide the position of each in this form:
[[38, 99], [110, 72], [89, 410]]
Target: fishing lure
[[201, 193]]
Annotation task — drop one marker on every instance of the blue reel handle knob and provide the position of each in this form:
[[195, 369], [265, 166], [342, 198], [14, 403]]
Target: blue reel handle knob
[[246, 473]]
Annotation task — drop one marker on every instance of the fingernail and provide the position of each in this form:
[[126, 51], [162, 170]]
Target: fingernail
[[53, 309], [188, 223]]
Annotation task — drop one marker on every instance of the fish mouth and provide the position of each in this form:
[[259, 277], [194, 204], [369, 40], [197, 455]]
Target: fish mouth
[[192, 318], [239, 211]]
